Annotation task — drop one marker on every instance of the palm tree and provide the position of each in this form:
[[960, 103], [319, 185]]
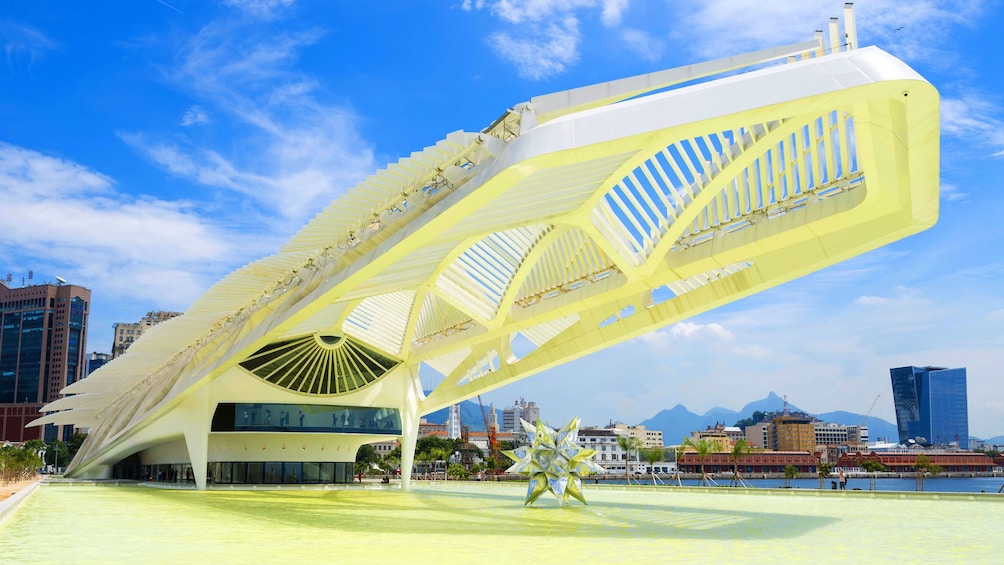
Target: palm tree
[[653, 456], [739, 450], [438, 453], [790, 472], [703, 447], [628, 444], [823, 470], [922, 466]]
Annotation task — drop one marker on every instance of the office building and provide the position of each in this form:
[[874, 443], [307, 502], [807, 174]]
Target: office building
[[520, 410], [43, 337], [931, 405], [127, 333], [792, 433]]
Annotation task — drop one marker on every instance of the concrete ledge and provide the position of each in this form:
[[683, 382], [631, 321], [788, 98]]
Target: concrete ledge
[[10, 504]]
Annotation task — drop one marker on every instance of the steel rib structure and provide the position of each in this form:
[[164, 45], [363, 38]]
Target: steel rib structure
[[575, 221]]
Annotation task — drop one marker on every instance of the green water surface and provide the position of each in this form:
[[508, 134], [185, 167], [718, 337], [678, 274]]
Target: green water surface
[[487, 523]]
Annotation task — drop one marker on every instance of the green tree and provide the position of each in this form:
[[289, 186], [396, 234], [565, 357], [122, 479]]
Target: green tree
[[652, 456], [441, 454], [741, 449], [425, 460], [57, 455], [389, 463], [629, 444], [457, 471], [702, 447], [922, 467], [757, 417], [76, 440], [824, 470], [790, 472], [18, 464], [872, 466], [367, 455]]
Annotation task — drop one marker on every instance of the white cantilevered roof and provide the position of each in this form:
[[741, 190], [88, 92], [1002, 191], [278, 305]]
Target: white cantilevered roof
[[583, 225]]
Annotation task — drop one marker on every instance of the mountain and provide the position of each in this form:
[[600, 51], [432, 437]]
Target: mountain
[[470, 416], [877, 427], [678, 422]]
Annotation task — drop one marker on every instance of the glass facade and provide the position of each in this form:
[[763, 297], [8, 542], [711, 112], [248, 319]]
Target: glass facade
[[931, 405], [305, 418]]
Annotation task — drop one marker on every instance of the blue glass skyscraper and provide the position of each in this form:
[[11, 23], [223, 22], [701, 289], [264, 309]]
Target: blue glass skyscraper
[[931, 405]]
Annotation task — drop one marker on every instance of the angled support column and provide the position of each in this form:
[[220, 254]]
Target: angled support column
[[409, 425], [196, 426]]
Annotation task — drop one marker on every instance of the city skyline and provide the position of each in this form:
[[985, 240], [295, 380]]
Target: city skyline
[[153, 149]]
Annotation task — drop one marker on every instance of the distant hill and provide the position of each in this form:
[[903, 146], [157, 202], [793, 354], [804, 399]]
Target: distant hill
[[678, 422], [470, 416]]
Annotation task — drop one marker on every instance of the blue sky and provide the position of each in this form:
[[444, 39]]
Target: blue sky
[[148, 148]]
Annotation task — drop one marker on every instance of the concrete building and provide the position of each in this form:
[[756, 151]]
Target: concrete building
[[43, 341], [932, 405], [96, 360], [648, 438], [126, 334], [792, 433], [574, 221], [758, 435], [521, 409]]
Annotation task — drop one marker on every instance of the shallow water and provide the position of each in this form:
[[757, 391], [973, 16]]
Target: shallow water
[[466, 523], [931, 484]]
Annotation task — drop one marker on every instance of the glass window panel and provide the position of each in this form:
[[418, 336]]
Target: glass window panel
[[311, 472], [254, 473], [273, 472], [240, 473]]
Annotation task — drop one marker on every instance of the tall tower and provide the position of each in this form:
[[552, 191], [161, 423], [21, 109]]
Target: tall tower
[[931, 405], [43, 340], [453, 429]]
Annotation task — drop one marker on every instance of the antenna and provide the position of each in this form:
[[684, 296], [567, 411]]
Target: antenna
[[61, 280]]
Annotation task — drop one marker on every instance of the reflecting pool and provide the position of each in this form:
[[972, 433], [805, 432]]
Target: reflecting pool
[[470, 522]]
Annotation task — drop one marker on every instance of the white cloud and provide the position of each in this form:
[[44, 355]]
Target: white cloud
[[644, 44], [689, 330], [196, 115], [974, 120], [294, 154], [871, 300], [260, 8], [542, 37], [541, 51], [23, 42], [726, 27], [129, 247], [951, 193], [613, 11]]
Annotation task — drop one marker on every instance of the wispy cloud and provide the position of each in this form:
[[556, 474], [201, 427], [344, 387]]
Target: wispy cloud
[[260, 8], [725, 27], [974, 120], [196, 115], [643, 44], [23, 43], [542, 37], [295, 153], [542, 53], [130, 246]]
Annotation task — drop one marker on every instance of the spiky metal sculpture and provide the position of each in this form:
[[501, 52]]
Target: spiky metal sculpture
[[553, 462]]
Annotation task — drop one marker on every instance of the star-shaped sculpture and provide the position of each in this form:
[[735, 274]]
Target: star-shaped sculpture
[[553, 462]]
